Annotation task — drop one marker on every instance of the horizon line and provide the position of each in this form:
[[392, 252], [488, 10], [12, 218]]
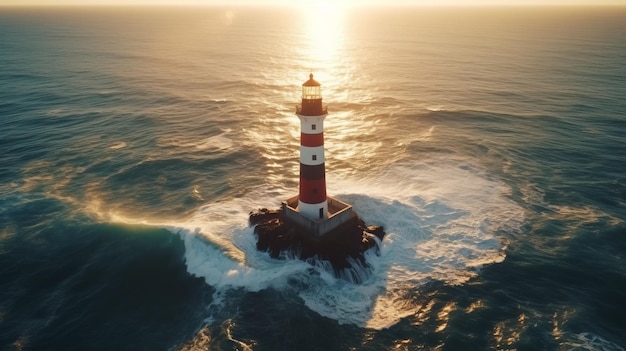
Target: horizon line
[[287, 5]]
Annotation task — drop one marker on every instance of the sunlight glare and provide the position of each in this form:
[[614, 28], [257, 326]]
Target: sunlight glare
[[323, 31]]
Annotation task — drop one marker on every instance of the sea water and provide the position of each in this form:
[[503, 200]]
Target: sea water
[[488, 142]]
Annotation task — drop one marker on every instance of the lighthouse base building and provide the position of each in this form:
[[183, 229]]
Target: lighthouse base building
[[311, 223], [338, 212]]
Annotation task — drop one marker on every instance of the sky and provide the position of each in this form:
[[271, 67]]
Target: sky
[[308, 2]]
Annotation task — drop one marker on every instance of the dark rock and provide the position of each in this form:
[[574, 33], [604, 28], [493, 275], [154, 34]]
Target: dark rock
[[342, 247], [263, 214], [377, 230]]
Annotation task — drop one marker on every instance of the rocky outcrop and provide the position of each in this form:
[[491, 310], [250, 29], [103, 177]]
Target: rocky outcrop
[[341, 247]]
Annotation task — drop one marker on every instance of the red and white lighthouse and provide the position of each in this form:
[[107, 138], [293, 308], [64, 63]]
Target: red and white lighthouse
[[311, 224], [312, 201], [312, 210]]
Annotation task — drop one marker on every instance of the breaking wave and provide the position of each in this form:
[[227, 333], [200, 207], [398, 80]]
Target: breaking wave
[[443, 232]]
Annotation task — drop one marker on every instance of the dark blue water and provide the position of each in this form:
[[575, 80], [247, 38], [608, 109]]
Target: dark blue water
[[490, 143]]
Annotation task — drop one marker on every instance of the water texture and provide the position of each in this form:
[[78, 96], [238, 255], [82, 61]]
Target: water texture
[[490, 144]]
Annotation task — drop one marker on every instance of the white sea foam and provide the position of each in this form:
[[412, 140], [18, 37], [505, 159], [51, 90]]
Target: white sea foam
[[218, 142], [441, 222], [587, 342], [442, 219], [118, 145], [436, 108]]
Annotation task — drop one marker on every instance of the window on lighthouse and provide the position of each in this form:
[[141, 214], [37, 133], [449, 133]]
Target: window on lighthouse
[[314, 157], [311, 92], [313, 126]]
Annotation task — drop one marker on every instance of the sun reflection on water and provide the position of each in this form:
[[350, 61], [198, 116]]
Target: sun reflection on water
[[323, 25], [327, 52]]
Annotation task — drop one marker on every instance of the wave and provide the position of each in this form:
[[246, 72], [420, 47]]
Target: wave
[[444, 222], [220, 142], [587, 341]]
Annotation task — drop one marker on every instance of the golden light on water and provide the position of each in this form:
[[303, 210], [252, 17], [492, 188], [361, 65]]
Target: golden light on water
[[325, 51], [323, 31]]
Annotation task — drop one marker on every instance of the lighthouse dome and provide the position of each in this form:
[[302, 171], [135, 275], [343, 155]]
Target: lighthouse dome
[[311, 82]]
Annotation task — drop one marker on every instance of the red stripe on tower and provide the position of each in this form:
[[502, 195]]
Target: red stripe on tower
[[312, 202], [311, 139]]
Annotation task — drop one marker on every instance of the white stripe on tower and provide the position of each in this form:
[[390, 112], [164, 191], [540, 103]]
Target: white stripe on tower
[[312, 156]]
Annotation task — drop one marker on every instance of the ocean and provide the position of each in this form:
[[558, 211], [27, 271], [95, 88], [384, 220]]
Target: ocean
[[489, 142]]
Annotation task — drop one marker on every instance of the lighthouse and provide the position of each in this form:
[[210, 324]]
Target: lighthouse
[[312, 209], [312, 201], [312, 225]]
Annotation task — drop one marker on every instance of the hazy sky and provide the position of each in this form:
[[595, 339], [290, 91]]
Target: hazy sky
[[305, 2]]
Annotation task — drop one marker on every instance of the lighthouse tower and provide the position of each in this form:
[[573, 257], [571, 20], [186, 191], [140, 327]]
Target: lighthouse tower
[[312, 210], [312, 201], [312, 225]]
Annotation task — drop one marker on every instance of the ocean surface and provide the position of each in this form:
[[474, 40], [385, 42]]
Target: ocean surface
[[490, 143]]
